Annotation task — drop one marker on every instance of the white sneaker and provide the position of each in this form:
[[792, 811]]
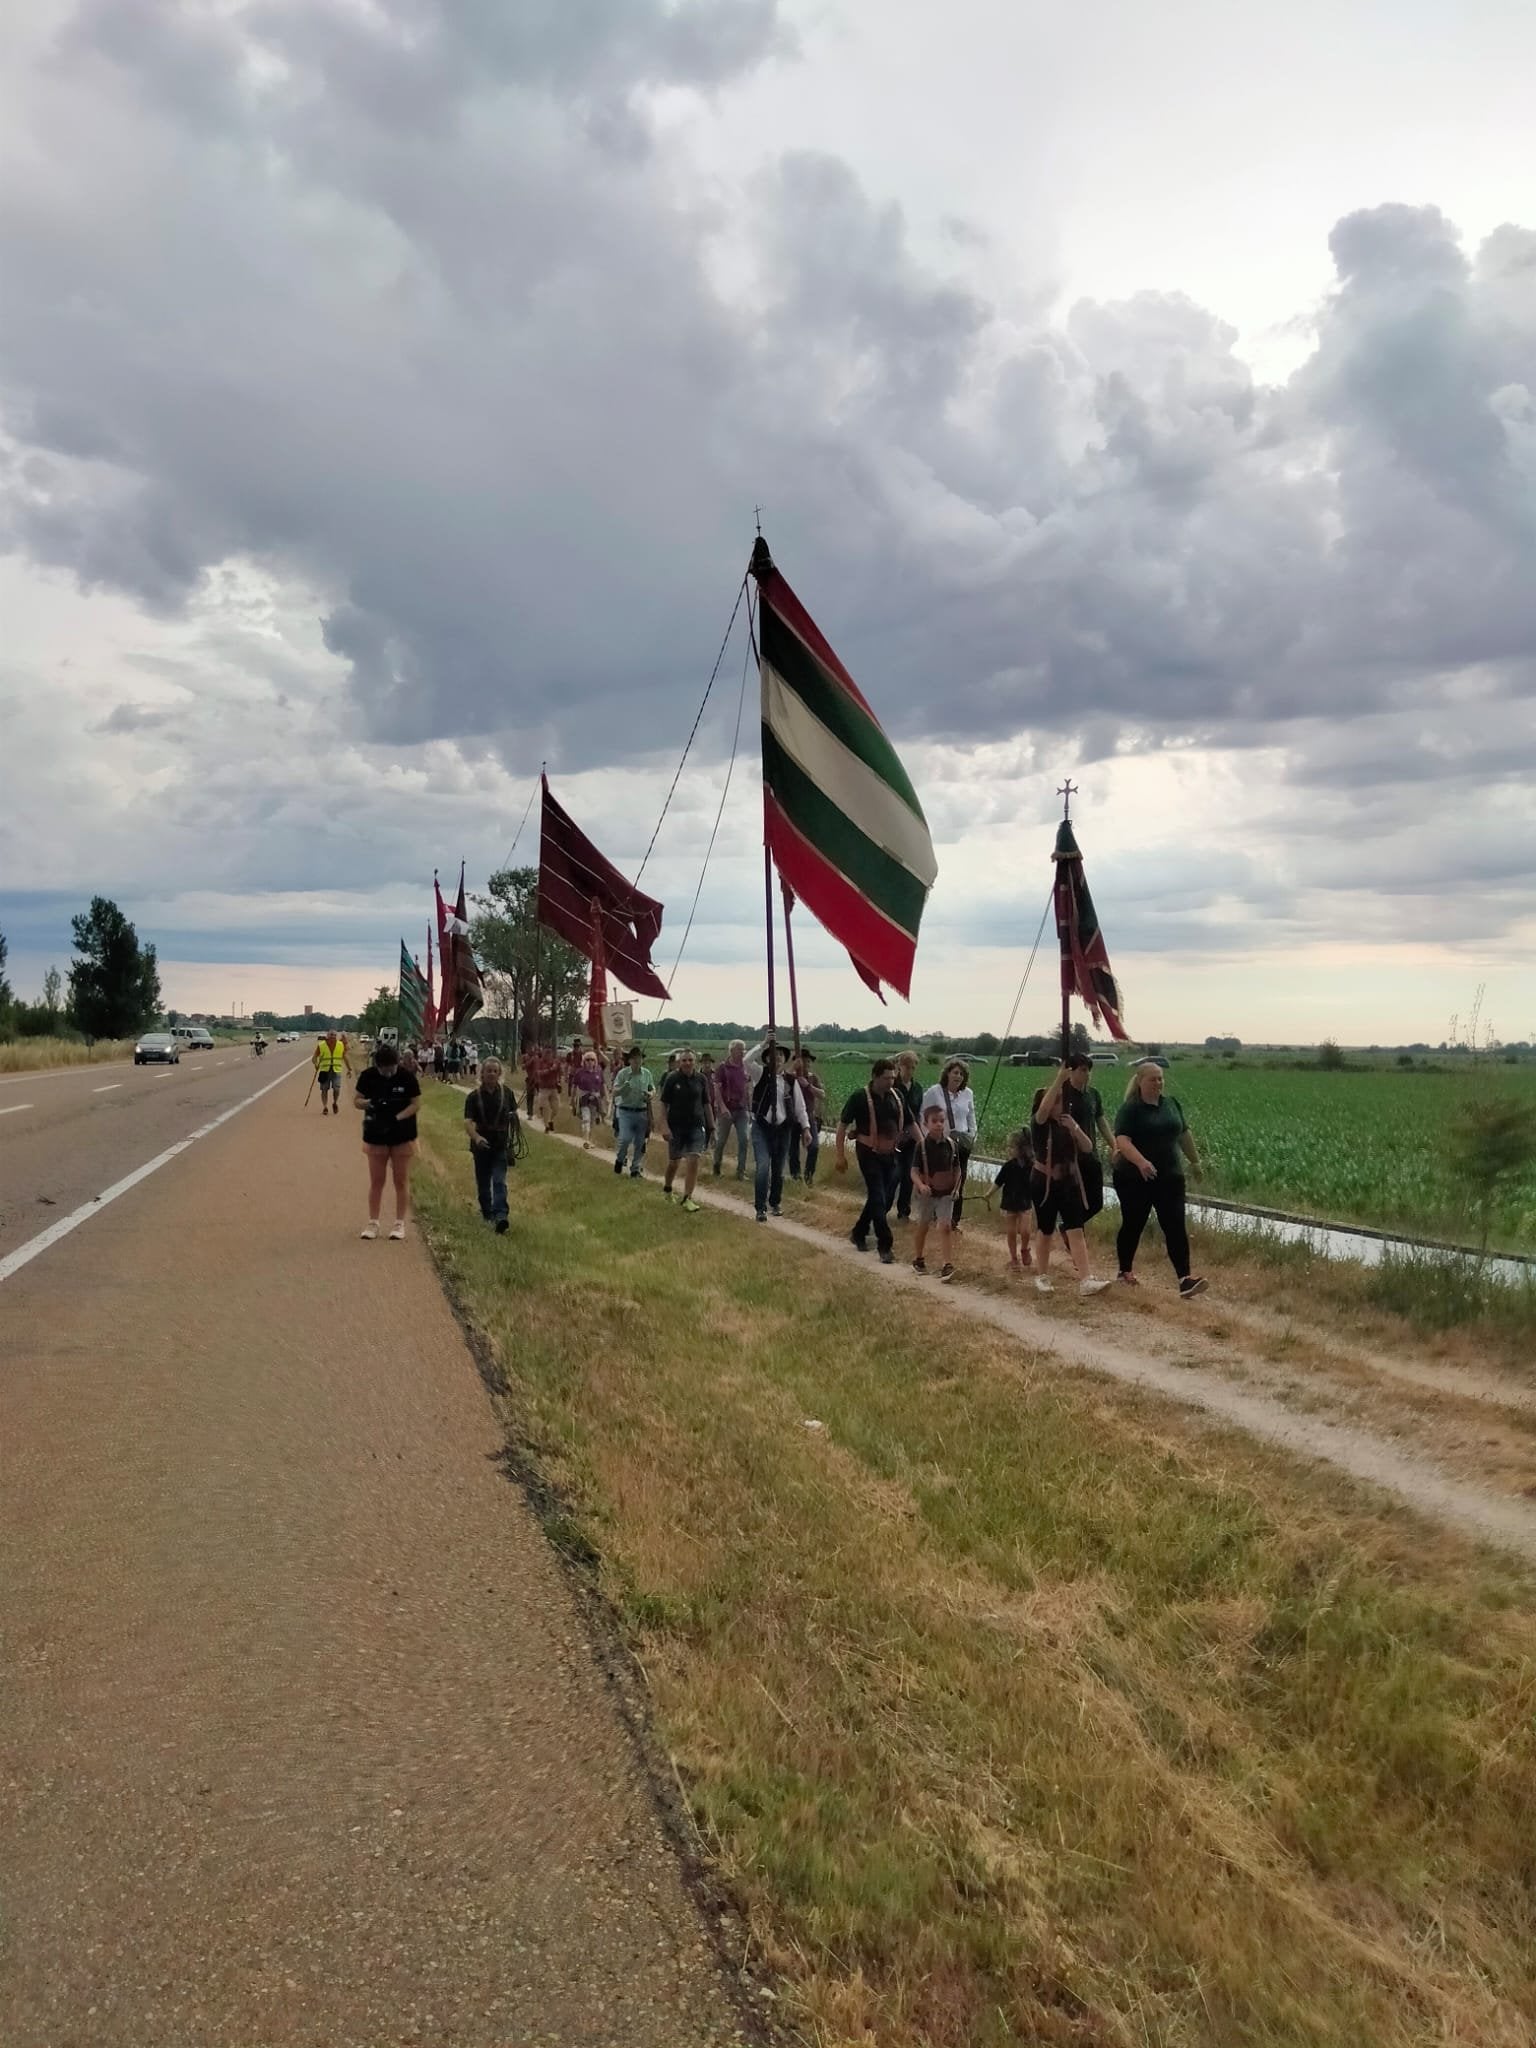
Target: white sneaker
[[371, 1230], [1044, 1286], [398, 1231], [1093, 1286]]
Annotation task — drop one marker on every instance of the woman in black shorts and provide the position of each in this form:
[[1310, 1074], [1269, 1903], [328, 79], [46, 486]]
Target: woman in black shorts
[[389, 1096], [1060, 1197]]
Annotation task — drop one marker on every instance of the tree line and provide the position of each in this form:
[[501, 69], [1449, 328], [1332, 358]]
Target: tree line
[[113, 989]]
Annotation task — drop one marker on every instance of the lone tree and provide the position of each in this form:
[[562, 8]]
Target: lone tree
[[381, 1012], [523, 966], [114, 983], [53, 985], [7, 1000]]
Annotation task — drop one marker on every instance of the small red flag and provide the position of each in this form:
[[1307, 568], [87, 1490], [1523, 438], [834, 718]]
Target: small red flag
[[1085, 968]]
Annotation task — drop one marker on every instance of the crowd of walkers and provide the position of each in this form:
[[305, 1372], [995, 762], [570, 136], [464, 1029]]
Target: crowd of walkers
[[1052, 1182], [446, 1059], [912, 1146]]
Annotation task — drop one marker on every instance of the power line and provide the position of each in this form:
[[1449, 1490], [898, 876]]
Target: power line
[[1013, 1013], [746, 664], [719, 658]]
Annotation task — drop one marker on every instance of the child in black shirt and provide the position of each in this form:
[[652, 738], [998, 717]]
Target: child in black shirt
[[1016, 1178]]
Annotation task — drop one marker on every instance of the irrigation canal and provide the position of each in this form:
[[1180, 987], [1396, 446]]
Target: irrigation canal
[[1332, 1240]]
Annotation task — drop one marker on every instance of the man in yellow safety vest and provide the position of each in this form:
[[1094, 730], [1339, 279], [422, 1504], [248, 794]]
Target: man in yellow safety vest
[[330, 1063]]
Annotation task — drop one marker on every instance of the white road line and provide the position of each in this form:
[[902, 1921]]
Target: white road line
[[11, 1108], [60, 1073], [24, 1254], [106, 1088]]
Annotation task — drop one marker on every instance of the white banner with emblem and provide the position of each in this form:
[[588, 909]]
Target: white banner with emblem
[[618, 1022]]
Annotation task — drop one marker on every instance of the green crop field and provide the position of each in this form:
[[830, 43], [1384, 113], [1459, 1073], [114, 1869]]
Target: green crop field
[[1365, 1145]]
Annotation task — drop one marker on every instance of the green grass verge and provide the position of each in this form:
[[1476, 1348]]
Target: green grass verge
[[1013, 1706]]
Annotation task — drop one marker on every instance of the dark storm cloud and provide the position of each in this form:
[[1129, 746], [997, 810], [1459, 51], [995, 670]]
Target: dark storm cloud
[[414, 305], [134, 718]]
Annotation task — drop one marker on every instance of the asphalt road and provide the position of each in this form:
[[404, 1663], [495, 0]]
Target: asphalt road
[[302, 1741], [67, 1135]]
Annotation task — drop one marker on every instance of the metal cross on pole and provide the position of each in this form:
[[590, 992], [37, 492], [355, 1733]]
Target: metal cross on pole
[[1066, 792]]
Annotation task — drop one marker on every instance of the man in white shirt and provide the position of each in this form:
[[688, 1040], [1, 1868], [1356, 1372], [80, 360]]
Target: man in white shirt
[[777, 1106]]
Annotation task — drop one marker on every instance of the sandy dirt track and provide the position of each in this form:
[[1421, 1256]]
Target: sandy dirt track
[[304, 1742]]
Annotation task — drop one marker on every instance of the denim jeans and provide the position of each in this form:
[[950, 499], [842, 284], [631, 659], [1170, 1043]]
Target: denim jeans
[[631, 1135], [770, 1148], [491, 1182], [803, 1153], [741, 1123], [881, 1171]]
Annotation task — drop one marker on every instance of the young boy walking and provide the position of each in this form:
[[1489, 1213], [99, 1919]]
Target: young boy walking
[[935, 1177]]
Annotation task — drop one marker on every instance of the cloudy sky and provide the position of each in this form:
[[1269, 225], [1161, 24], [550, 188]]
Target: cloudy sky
[[1146, 394]]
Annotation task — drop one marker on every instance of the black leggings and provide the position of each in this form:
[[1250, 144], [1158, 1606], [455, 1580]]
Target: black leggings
[[1138, 1200]]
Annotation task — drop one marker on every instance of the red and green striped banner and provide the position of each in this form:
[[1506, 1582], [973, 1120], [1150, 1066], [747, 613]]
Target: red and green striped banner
[[413, 998], [844, 825]]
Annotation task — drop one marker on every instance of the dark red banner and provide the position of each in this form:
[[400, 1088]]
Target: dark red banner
[[572, 876]]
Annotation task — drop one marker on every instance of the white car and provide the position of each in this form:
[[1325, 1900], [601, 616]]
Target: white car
[[192, 1037]]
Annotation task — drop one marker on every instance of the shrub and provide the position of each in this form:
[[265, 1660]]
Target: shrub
[[1491, 1145]]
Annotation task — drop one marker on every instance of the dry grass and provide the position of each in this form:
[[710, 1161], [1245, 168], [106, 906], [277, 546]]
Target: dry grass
[[32, 1055], [1015, 1707]]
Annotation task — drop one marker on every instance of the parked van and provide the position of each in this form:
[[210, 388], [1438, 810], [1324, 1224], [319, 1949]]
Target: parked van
[[193, 1037]]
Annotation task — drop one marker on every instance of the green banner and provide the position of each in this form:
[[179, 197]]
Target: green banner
[[413, 997]]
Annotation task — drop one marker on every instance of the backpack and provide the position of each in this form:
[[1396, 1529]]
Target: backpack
[[946, 1180]]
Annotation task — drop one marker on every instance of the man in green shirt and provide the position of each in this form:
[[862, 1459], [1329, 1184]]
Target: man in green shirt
[[633, 1092]]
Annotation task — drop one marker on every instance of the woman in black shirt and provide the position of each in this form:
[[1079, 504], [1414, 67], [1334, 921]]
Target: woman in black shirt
[[389, 1097]]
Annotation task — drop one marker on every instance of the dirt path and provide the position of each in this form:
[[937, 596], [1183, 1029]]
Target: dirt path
[[1162, 1348], [304, 1740]]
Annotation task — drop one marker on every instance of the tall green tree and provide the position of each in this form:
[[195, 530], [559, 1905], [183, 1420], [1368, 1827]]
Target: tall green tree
[[53, 986], [380, 1013], [7, 1000], [114, 982], [519, 962]]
